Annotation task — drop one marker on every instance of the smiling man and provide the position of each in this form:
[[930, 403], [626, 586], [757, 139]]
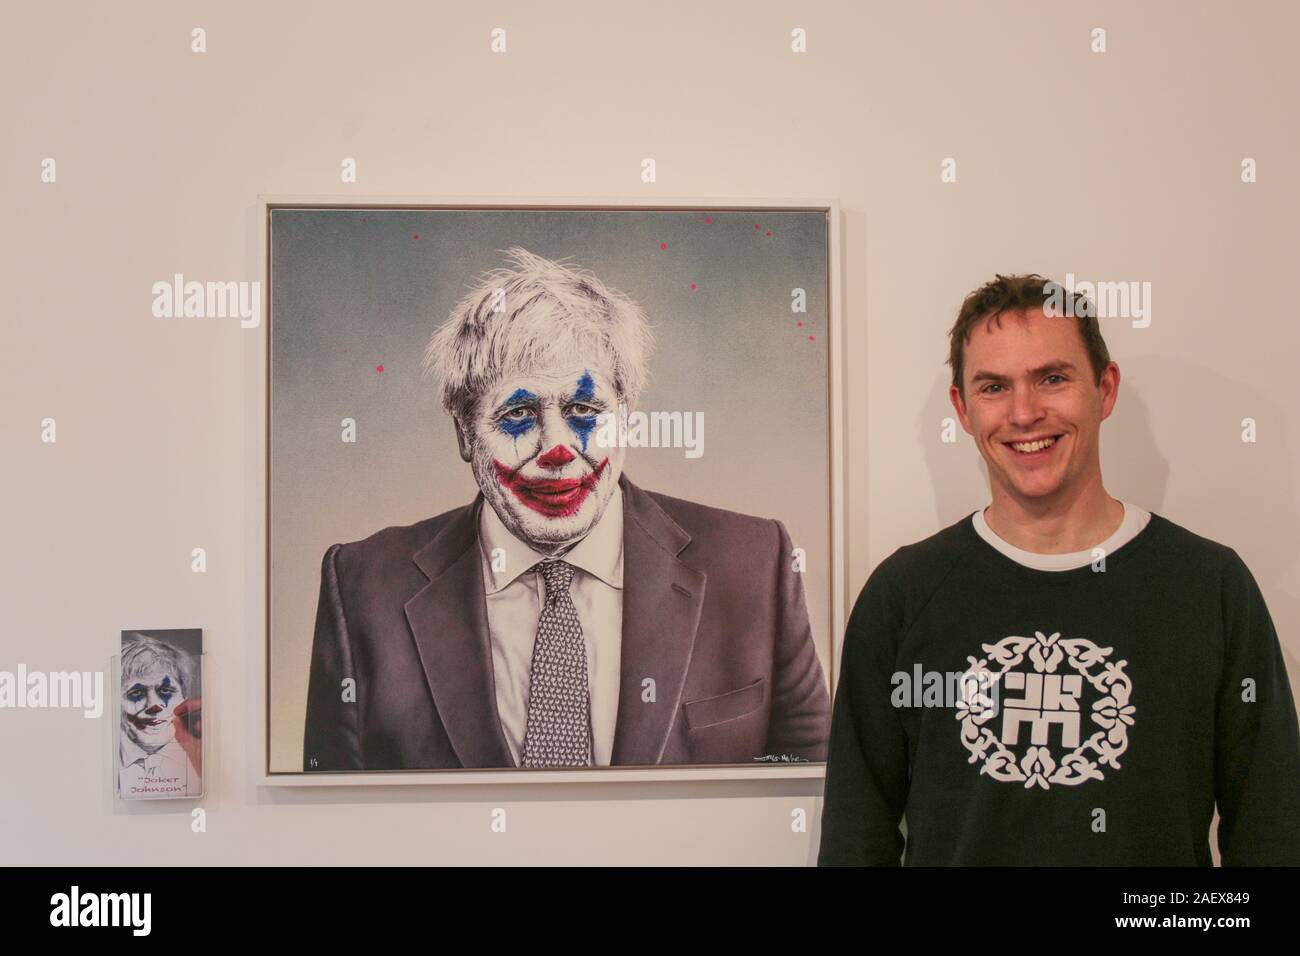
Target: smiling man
[[1136, 681], [565, 617]]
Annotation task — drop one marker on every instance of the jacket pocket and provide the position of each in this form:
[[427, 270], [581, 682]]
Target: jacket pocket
[[708, 711]]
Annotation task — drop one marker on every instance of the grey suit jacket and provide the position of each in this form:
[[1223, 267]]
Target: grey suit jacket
[[712, 611]]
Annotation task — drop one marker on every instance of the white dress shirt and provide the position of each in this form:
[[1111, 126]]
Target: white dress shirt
[[1135, 519], [165, 771], [514, 604]]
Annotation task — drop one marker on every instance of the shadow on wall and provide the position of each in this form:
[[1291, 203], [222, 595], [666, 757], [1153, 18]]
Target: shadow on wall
[[1238, 493]]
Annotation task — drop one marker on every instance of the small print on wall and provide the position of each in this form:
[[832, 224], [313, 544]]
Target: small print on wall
[[549, 487], [159, 739]]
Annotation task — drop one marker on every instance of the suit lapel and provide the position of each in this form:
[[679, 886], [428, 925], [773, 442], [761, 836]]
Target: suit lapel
[[448, 618], [662, 598]]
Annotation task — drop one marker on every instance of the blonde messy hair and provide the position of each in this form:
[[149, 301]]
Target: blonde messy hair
[[141, 655], [545, 309]]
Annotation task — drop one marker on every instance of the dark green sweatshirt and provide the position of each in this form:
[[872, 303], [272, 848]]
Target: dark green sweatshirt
[[1104, 716]]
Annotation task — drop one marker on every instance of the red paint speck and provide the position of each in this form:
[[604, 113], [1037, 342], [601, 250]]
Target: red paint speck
[[769, 232], [708, 220], [811, 337], [416, 236], [800, 324], [692, 285], [379, 368], [757, 226], [663, 245]]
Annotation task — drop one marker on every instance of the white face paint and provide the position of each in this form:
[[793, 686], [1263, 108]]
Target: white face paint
[[534, 456], [149, 702]]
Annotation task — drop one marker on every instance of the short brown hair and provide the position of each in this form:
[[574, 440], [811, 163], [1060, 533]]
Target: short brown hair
[[1014, 294]]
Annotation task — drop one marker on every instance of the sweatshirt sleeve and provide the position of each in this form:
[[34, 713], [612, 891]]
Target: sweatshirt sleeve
[[1257, 745], [867, 764]]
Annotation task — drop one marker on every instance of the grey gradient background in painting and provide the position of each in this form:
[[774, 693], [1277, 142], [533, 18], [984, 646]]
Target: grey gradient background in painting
[[353, 289]]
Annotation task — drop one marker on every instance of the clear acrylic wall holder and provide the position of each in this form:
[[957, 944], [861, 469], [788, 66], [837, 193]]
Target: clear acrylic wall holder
[[115, 730]]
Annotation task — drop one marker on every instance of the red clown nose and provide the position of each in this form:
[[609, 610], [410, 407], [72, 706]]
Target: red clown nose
[[557, 457]]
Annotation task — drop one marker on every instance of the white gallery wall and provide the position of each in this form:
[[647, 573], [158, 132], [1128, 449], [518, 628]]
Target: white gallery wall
[[1122, 165]]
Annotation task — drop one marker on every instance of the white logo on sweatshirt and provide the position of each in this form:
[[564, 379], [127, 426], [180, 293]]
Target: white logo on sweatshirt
[[1051, 707]]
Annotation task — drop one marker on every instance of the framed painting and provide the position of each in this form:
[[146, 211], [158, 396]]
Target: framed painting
[[552, 490]]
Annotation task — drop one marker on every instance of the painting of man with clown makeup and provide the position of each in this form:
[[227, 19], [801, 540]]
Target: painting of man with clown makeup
[[565, 618], [159, 749]]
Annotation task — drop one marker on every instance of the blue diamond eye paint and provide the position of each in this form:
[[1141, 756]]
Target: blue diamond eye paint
[[519, 396], [515, 427], [583, 425]]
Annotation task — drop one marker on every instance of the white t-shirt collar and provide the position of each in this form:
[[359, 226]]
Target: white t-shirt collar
[[1135, 519]]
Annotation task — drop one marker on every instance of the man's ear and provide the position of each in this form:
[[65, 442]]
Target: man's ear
[[1109, 386], [959, 403], [462, 439]]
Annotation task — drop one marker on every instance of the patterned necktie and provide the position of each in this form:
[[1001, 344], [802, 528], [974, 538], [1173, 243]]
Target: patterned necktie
[[558, 733]]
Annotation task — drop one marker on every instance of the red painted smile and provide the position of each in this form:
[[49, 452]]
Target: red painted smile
[[553, 497], [144, 721]]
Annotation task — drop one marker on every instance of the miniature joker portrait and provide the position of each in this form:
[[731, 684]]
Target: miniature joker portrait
[[158, 752]]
